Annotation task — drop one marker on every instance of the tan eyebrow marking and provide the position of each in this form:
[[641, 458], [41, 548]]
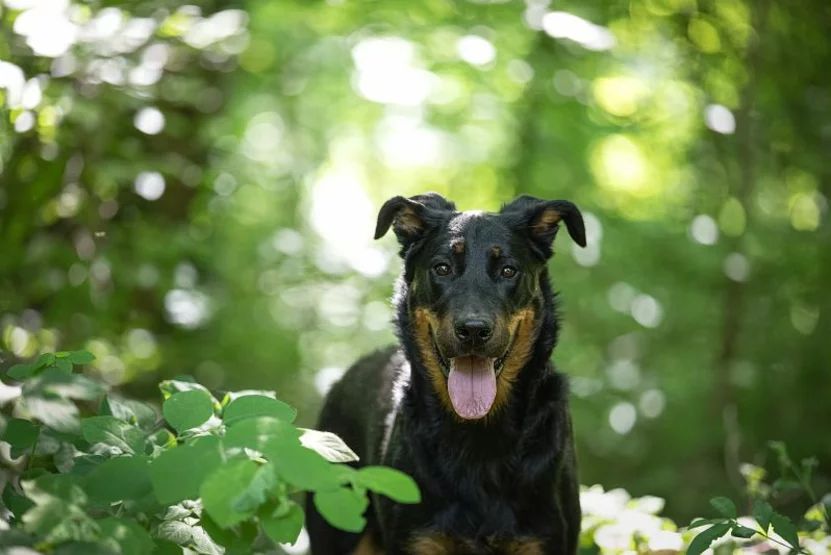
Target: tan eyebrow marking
[[496, 252], [458, 246]]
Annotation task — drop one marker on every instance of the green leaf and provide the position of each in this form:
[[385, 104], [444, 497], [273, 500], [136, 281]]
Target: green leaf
[[221, 490], [703, 540], [53, 382], [16, 503], [21, 435], [188, 535], [328, 445], [783, 526], [303, 467], [113, 432], [80, 357], [250, 406], [285, 528], [699, 522], [58, 515], [237, 540], [187, 409], [129, 536], [256, 492], [28, 369], [185, 383], [45, 359], [178, 473], [22, 371], [342, 508], [134, 412], [118, 479], [724, 506], [260, 433], [390, 482], [64, 365], [740, 531], [762, 512], [59, 414]]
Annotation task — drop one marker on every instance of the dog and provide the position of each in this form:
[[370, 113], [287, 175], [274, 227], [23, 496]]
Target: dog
[[468, 404]]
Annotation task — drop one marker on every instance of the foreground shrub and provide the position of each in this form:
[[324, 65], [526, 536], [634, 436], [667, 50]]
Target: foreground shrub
[[90, 472]]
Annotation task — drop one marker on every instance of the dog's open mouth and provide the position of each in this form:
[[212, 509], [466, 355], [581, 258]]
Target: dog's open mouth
[[471, 382]]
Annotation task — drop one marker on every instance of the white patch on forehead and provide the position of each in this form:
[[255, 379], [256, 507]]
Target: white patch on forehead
[[460, 221]]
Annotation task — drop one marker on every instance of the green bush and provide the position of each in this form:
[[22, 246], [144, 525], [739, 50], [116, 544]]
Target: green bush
[[91, 472]]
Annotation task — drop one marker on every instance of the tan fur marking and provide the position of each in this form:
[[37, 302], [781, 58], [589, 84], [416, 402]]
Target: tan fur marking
[[548, 219], [523, 547], [525, 333], [367, 546], [496, 252], [442, 544], [433, 544], [458, 246], [425, 320]]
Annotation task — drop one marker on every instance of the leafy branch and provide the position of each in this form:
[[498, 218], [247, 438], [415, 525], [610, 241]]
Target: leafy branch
[[765, 516], [217, 476]]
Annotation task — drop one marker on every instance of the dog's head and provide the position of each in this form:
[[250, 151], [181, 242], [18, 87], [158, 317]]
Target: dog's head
[[473, 286]]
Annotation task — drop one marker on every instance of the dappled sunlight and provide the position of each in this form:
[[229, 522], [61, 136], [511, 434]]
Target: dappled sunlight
[[191, 190], [620, 95], [388, 72], [343, 215], [620, 164], [564, 25]]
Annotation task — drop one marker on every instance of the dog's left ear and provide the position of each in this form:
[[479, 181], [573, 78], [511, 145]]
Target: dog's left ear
[[412, 217], [540, 219]]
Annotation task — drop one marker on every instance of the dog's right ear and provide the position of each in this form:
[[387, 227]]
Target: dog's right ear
[[412, 217]]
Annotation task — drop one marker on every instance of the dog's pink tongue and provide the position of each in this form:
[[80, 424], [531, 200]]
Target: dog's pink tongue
[[472, 386]]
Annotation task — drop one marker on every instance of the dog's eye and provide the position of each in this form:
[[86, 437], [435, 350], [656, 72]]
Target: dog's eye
[[442, 269], [508, 272]]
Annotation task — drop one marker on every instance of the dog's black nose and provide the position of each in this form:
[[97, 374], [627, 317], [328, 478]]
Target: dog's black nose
[[474, 331]]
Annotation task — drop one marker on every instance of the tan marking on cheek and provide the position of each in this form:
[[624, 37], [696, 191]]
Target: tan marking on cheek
[[367, 546], [425, 320], [525, 335], [523, 547]]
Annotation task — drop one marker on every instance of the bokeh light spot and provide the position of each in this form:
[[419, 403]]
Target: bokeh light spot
[[622, 417], [149, 120], [704, 230], [736, 266], [564, 25], [476, 50], [720, 119], [149, 185]]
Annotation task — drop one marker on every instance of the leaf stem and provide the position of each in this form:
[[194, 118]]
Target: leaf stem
[[799, 548]]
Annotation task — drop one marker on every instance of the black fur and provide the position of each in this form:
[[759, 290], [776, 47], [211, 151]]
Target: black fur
[[484, 483]]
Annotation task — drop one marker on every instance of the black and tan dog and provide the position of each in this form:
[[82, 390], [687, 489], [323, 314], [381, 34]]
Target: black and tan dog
[[469, 404]]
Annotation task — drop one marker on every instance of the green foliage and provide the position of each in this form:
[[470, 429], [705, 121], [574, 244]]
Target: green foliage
[[118, 478], [767, 520]]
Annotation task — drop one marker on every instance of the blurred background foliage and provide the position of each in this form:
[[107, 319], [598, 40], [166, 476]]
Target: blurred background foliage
[[192, 189]]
